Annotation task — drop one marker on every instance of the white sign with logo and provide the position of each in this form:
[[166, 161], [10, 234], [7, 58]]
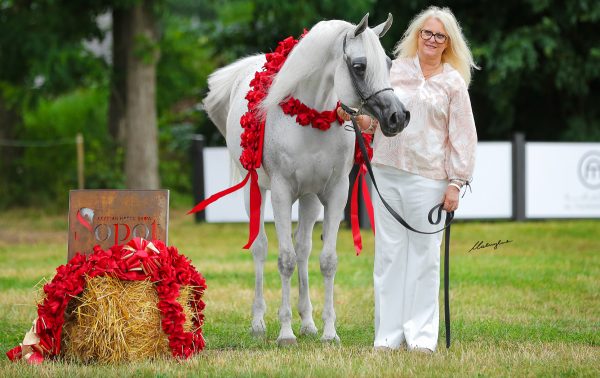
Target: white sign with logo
[[562, 180]]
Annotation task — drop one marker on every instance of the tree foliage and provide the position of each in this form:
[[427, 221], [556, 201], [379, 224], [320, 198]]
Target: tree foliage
[[540, 59], [540, 65], [540, 69]]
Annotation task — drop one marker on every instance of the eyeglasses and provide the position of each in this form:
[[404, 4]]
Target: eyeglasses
[[427, 34]]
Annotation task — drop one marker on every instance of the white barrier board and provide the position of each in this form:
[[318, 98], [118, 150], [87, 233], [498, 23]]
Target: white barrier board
[[231, 208], [562, 180], [491, 196]]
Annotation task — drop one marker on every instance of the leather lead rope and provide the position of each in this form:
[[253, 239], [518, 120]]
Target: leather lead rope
[[447, 281], [449, 219]]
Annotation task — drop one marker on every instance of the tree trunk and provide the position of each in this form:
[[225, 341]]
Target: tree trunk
[[141, 147], [118, 80], [9, 119]]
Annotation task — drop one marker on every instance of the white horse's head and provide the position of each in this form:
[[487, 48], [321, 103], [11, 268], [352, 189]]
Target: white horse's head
[[349, 64], [362, 77]]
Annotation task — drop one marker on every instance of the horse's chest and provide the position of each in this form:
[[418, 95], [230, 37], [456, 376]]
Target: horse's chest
[[309, 160]]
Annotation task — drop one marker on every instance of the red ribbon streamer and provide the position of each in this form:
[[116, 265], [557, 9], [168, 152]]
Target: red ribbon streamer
[[367, 198], [354, 222], [255, 200], [202, 205]]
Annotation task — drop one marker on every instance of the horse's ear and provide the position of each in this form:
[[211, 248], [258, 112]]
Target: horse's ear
[[381, 29], [362, 25]]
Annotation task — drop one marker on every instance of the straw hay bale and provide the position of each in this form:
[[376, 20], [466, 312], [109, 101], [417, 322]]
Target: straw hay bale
[[118, 321]]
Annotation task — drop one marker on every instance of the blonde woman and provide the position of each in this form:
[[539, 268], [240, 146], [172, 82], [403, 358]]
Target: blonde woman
[[426, 164]]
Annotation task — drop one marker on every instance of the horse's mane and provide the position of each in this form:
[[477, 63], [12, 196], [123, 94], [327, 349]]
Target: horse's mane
[[313, 51], [308, 56]]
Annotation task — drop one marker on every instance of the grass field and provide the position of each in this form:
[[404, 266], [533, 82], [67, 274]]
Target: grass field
[[528, 308]]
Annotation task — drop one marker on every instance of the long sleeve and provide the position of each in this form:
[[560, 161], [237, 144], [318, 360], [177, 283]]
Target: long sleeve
[[462, 136]]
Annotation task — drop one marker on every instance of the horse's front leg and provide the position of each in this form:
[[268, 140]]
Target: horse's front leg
[[334, 204], [281, 199], [309, 209]]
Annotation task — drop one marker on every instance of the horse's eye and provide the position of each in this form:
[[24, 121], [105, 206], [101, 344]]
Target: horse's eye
[[359, 65], [359, 68]]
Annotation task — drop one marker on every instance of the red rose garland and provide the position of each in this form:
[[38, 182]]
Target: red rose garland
[[136, 261], [254, 125], [252, 137], [307, 116]]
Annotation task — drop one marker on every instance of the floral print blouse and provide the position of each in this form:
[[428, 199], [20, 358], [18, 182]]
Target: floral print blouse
[[440, 140]]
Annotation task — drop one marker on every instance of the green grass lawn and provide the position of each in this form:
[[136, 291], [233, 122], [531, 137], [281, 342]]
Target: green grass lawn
[[528, 308]]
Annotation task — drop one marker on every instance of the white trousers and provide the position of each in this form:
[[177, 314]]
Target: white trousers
[[407, 265]]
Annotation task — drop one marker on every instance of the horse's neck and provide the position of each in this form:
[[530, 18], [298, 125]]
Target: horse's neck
[[316, 91]]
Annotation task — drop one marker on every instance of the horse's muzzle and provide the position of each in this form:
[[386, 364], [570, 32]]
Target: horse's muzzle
[[396, 123], [390, 111]]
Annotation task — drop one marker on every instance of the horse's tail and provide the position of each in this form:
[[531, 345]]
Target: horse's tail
[[220, 86]]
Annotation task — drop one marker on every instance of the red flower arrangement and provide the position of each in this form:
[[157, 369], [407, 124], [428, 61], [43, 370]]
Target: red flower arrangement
[[135, 261]]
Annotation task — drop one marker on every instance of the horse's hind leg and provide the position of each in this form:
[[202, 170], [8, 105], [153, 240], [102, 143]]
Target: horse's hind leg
[[259, 253], [281, 198], [309, 210], [334, 204]]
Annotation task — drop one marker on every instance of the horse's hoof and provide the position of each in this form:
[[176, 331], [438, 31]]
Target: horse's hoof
[[309, 329], [335, 339], [259, 330], [258, 333], [283, 342]]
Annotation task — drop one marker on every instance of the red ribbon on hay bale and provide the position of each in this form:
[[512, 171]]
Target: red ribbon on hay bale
[[137, 260]]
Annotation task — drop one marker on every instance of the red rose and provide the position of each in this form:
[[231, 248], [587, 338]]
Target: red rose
[[167, 291], [289, 106], [286, 45], [275, 62], [304, 118], [321, 124]]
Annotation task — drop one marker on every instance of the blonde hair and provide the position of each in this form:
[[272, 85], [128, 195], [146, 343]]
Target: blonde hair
[[457, 53]]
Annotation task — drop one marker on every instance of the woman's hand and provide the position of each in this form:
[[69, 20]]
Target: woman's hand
[[342, 114], [365, 123], [451, 198]]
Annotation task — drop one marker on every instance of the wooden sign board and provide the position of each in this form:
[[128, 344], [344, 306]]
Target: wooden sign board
[[113, 217]]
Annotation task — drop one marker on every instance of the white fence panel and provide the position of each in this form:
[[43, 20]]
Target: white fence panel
[[231, 208], [492, 184], [562, 180]]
